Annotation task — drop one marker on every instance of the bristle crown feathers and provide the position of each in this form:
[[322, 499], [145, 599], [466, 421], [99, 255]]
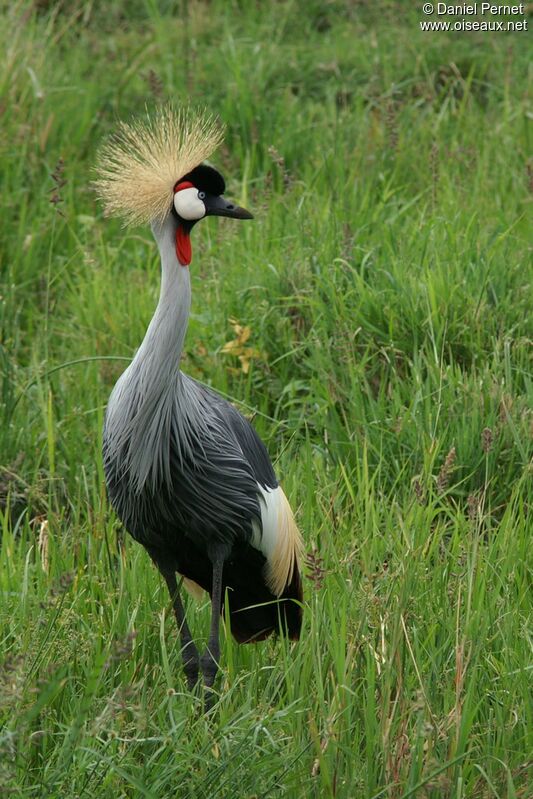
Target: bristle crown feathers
[[138, 168]]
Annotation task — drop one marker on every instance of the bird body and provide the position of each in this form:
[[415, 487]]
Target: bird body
[[187, 474]]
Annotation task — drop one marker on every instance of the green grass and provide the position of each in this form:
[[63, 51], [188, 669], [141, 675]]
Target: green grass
[[386, 282]]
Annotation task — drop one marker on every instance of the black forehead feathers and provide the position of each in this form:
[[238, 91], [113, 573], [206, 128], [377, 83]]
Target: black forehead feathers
[[207, 179]]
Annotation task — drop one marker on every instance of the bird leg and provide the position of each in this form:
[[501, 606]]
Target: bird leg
[[210, 658], [189, 652]]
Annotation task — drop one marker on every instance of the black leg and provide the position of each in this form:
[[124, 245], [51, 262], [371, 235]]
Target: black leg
[[211, 656], [189, 652]]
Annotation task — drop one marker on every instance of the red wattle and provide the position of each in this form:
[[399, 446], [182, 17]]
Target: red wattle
[[183, 246]]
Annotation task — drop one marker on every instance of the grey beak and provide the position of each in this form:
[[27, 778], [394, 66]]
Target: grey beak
[[219, 206]]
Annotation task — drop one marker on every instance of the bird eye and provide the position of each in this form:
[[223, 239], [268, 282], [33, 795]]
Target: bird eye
[[201, 195]]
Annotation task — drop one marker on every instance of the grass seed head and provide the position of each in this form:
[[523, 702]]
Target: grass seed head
[[473, 507], [279, 160], [316, 571], [155, 84], [418, 488], [391, 124], [443, 479], [487, 440], [60, 182]]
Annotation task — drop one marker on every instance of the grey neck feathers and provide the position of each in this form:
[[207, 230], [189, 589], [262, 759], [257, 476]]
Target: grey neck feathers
[[160, 352], [150, 393]]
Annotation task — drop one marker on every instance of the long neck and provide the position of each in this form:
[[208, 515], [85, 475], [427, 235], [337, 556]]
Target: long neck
[[160, 351], [143, 405]]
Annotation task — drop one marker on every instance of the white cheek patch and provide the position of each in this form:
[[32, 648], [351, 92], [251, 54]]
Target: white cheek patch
[[188, 205]]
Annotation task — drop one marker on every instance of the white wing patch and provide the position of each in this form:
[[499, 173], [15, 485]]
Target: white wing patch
[[280, 542]]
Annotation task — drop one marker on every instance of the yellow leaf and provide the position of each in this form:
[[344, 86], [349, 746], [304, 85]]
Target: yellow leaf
[[245, 363], [244, 334], [236, 346], [232, 347]]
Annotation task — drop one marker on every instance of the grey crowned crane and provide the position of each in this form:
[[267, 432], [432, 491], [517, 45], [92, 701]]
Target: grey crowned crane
[[186, 473]]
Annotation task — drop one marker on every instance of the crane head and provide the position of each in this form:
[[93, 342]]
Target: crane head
[[196, 195], [153, 168]]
